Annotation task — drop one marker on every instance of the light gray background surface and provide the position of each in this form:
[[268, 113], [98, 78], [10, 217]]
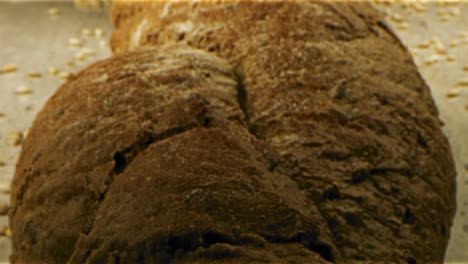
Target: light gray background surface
[[33, 41]]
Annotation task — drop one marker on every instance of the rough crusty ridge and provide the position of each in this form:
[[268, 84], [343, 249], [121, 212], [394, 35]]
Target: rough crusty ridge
[[238, 132]]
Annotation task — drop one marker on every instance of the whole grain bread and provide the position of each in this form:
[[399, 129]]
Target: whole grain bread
[[238, 132]]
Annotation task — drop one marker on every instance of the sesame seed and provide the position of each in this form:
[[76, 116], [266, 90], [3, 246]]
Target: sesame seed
[[80, 57], [424, 45], [6, 232], [15, 138], [463, 82], [88, 51], [70, 63], [54, 11], [5, 188], [453, 43], [23, 90], [434, 40], [2, 163], [34, 75], [450, 58], [53, 71], [98, 32], [442, 13], [418, 6], [8, 68], [64, 75], [28, 108], [453, 93], [397, 18], [455, 11], [444, 19], [86, 32], [85, 53], [432, 60], [440, 48], [74, 42], [403, 26], [414, 52]]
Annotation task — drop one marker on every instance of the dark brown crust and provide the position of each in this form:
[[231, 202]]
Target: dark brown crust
[[168, 126], [316, 116]]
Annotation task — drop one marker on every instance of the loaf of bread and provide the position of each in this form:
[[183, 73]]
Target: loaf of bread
[[238, 132]]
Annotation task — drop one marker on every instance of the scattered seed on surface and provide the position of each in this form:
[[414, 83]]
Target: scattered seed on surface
[[443, 13], [34, 75], [88, 52], [463, 82], [70, 63], [2, 163], [86, 32], [8, 232], [444, 19], [75, 42], [440, 48], [397, 18], [432, 60], [53, 71], [8, 68], [465, 68], [3, 209], [454, 43], [434, 40], [54, 11], [450, 3], [455, 11], [23, 90], [15, 138], [403, 26], [387, 12], [417, 6], [98, 32], [424, 45], [453, 93], [85, 53], [80, 57], [450, 58], [414, 52], [5, 188], [2, 115], [64, 75]]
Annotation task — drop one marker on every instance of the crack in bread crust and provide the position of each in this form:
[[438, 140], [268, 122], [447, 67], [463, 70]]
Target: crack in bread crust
[[344, 156], [333, 135]]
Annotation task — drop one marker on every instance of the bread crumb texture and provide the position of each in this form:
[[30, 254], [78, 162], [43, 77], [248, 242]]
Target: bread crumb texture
[[238, 132]]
